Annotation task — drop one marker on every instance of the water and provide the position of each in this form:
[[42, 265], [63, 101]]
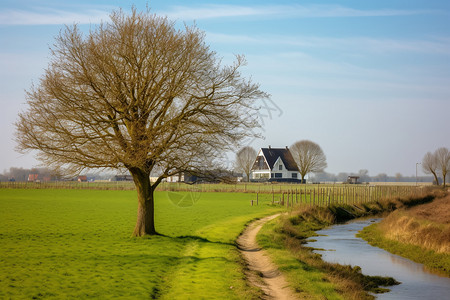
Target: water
[[343, 247]]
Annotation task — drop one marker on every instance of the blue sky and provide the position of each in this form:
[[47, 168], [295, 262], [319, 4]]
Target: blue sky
[[369, 81]]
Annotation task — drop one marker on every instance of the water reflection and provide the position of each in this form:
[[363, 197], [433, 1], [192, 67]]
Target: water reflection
[[342, 246]]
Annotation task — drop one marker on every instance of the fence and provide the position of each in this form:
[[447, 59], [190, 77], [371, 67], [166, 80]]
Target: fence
[[282, 194], [343, 194], [113, 185]]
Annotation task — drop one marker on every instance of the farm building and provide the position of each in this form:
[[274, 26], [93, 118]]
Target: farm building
[[206, 176], [122, 178], [352, 179], [275, 164]]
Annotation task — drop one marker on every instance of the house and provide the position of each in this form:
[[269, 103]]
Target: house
[[176, 178], [82, 178], [33, 177], [275, 164]]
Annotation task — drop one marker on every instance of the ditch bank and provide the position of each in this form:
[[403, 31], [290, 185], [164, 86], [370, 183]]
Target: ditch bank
[[421, 234], [307, 273], [341, 245]]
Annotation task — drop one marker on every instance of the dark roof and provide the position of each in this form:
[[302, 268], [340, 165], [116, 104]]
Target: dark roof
[[272, 154]]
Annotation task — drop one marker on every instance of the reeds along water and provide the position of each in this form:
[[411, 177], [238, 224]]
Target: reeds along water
[[427, 226]]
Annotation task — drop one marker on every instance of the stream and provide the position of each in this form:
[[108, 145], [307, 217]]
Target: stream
[[342, 246]]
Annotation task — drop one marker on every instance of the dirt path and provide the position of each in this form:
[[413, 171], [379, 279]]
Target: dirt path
[[263, 272]]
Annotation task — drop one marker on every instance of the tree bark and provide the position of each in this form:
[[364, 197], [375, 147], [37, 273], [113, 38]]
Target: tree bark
[[435, 177], [444, 175], [145, 223]]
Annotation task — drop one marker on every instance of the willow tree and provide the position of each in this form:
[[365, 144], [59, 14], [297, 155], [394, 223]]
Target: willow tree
[[309, 157], [136, 93], [430, 165], [442, 155]]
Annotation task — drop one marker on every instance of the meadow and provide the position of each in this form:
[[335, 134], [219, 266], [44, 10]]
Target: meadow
[[75, 241], [58, 243]]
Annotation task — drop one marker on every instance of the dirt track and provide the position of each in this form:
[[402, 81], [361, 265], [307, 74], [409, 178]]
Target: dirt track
[[263, 273]]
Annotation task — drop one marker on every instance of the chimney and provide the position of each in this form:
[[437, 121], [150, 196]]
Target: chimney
[[287, 148], [270, 147]]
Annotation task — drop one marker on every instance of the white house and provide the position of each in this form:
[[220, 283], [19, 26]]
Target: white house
[[275, 164]]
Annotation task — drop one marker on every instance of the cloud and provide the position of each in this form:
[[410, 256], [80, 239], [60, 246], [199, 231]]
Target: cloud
[[297, 11], [52, 16], [435, 45], [44, 16]]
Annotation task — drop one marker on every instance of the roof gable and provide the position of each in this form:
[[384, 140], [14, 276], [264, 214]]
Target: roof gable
[[272, 154]]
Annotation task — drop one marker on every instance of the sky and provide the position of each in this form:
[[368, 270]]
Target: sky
[[369, 81]]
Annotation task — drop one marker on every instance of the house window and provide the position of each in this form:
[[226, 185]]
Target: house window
[[280, 167], [278, 175], [272, 175], [294, 175]]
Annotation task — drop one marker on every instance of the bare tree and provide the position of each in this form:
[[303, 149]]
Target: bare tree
[[430, 165], [442, 156], [309, 157], [382, 177], [139, 94], [363, 175], [245, 159]]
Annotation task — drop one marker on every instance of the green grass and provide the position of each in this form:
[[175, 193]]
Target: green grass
[[77, 244], [308, 281]]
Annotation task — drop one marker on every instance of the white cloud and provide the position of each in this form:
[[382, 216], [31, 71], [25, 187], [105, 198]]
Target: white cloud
[[438, 45], [298, 11], [52, 17], [43, 16]]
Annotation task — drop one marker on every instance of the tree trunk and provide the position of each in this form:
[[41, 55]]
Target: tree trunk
[[145, 223], [435, 177], [444, 175]]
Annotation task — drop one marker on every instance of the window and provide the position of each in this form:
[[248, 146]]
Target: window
[[280, 167], [272, 175], [294, 175], [278, 175]]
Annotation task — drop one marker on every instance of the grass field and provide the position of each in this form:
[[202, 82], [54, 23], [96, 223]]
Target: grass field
[[76, 244]]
